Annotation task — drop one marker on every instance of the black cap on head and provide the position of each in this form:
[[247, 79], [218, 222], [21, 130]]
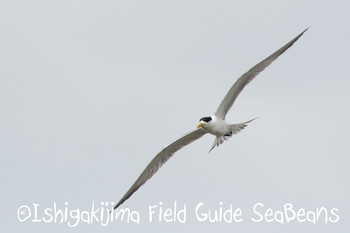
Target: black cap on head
[[206, 119]]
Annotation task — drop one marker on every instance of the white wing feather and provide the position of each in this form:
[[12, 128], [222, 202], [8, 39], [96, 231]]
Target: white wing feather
[[231, 96]]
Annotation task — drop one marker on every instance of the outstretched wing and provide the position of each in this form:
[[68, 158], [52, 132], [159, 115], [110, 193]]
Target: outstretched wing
[[231, 96], [159, 160]]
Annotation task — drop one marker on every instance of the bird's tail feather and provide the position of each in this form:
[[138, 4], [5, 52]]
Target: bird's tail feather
[[235, 129]]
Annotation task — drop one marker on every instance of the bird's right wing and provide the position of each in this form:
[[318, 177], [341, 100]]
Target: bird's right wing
[[231, 96], [159, 160]]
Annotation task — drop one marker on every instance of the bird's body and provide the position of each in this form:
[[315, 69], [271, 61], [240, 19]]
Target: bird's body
[[215, 124], [220, 128], [217, 127]]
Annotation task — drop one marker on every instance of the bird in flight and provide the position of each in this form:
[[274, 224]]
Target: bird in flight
[[215, 124]]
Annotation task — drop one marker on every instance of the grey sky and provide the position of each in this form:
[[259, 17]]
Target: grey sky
[[90, 91]]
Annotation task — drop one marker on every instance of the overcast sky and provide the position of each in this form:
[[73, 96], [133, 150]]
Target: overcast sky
[[90, 91]]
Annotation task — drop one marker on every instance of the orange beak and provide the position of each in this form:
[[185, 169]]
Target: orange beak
[[200, 125]]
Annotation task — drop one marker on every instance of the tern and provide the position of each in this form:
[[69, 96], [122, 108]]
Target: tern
[[215, 124]]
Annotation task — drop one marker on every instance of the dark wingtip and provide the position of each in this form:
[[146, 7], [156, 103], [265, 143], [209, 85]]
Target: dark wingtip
[[115, 207], [303, 32]]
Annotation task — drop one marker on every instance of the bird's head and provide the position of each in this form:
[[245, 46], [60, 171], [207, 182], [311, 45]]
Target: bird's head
[[203, 121]]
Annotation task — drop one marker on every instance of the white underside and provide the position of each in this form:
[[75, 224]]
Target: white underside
[[217, 127], [222, 130]]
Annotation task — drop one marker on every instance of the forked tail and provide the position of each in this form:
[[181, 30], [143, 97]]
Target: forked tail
[[235, 129]]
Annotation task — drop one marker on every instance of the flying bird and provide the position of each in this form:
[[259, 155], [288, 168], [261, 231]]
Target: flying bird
[[215, 124]]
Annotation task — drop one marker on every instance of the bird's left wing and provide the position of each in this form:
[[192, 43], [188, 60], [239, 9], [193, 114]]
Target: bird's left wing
[[159, 160], [231, 96]]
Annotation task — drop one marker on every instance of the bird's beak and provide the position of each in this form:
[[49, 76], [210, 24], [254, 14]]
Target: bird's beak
[[200, 125]]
